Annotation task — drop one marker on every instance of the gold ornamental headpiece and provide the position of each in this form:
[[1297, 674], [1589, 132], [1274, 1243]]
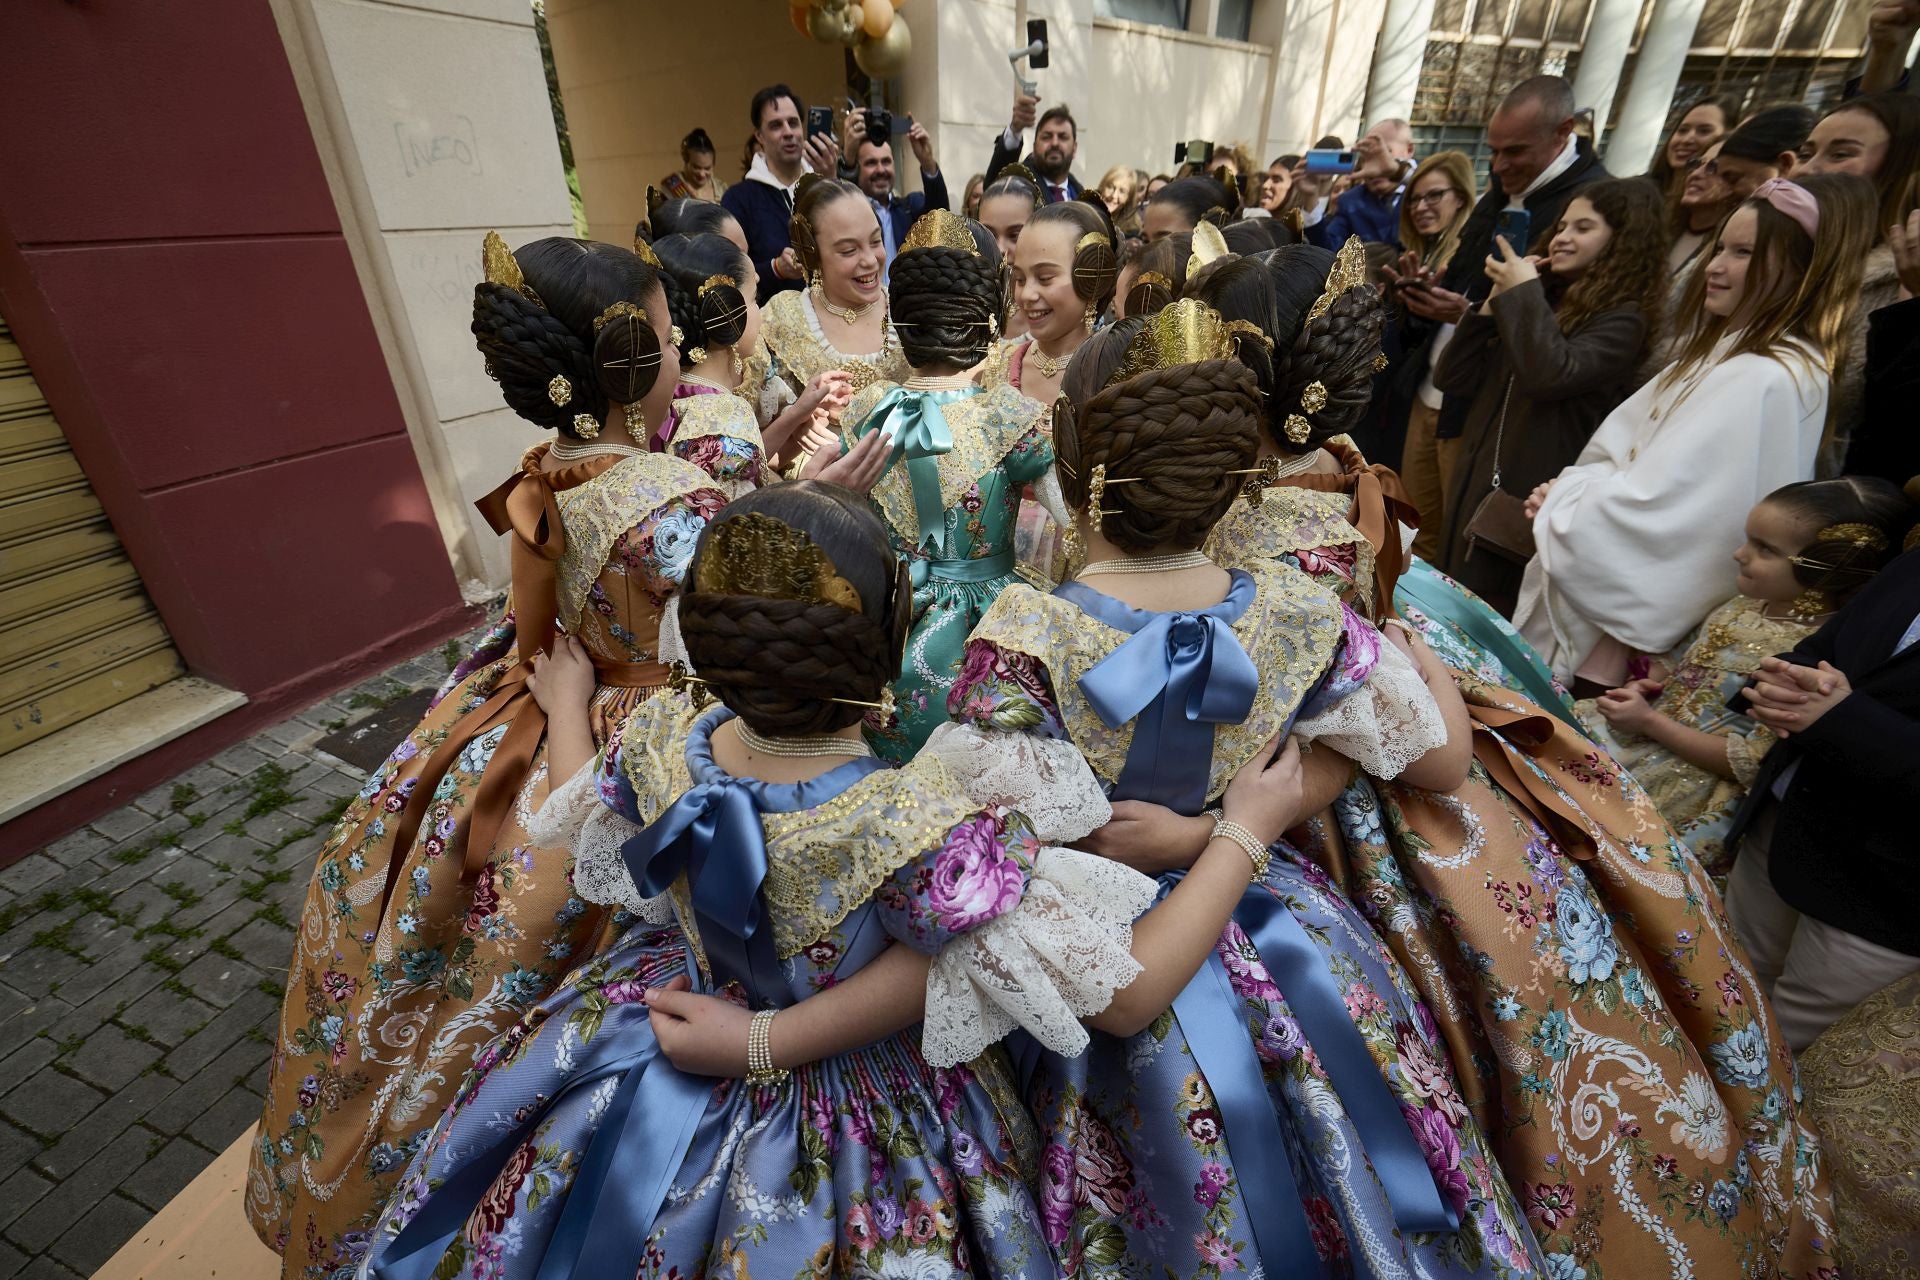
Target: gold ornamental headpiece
[[644, 251], [501, 268], [757, 555], [711, 283], [1349, 273], [941, 228], [1183, 332], [1860, 535], [1208, 245]]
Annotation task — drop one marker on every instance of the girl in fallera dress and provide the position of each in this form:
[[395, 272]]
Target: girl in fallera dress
[[959, 458], [1809, 548], [410, 958], [1564, 932], [793, 860]]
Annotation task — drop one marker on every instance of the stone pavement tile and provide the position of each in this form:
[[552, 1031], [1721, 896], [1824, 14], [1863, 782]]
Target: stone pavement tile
[[28, 874], [227, 1119], [17, 1147], [12, 1261], [34, 1052], [92, 1130], [98, 1236], [58, 1209], [47, 1269], [206, 1086], [197, 889], [253, 1009], [242, 759], [222, 810], [12, 1004], [265, 945], [161, 1178], [135, 981], [121, 825], [111, 1058], [167, 1017], [77, 846], [218, 980], [276, 830], [48, 1102], [290, 733], [239, 851], [37, 971], [21, 1191]]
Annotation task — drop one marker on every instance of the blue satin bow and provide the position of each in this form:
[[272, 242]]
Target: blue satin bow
[[1179, 676], [920, 434]]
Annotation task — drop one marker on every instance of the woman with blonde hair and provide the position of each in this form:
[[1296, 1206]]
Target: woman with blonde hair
[[1118, 188], [1439, 196]]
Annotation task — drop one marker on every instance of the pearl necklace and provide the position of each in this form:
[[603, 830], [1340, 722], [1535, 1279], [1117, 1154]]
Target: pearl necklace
[[1297, 466], [848, 315], [813, 744], [942, 382], [1149, 564], [575, 452]]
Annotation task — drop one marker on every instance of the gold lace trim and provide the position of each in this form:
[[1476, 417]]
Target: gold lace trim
[[985, 429], [787, 335], [997, 369], [1291, 631], [1288, 520], [824, 862], [598, 512], [722, 415]]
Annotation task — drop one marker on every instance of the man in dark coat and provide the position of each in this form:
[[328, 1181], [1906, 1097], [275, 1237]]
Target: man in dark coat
[[874, 172], [1055, 142], [763, 203]]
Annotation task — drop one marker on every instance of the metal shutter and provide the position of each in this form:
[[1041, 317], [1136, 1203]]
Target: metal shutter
[[77, 632]]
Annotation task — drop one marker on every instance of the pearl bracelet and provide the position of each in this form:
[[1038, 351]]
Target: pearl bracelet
[[760, 1068], [1249, 843]]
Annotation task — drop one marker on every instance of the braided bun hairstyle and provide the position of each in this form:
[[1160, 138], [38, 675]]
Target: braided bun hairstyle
[[1867, 518], [708, 315], [690, 218], [776, 663], [943, 302], [1176, 434], [811, 197], [1096, 264], [1335, 350], [528, 344]]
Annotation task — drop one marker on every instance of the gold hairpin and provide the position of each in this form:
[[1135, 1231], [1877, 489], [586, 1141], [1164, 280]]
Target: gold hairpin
[[1349, 272], [502, 267], [1151, 278], [1183, 332], [614, 312], [1208, 246], [1249, 329], [1313, 397], [678, 677], [1297, 428], [941, 228], [757, 555]]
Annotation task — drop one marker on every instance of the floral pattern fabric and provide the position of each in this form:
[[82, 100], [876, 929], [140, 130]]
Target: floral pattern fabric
[[1719, 658], [1139, 1175], [716, 431], [384, 1012], [869, 1163]]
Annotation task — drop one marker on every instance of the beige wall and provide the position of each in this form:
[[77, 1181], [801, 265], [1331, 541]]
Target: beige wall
[[1155, 87], [637, 75], [1323, 55], [432, 121]]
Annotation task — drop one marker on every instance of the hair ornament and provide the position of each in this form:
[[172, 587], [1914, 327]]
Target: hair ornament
[[586, 426], [696, 354], [684, 681], [1024, 174], [560, 391], [1380, 362], [1313, 397], [675, 336], [941, 229], [1349, 273], [1208, 245], [501, 268], [644, 251], [1252, 332], [1095, 267], [1297, 428], [1184, 332], [1864, 536], [1793, 200], [711, 283], [614, 312], [757, 555]]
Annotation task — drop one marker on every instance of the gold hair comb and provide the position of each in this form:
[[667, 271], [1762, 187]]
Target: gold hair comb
[[1349, 272], [941, 228], [711, 283], [502, 268], [1183, 332], [757, 555], [644, 251], [1208, 245], [1859, 535]]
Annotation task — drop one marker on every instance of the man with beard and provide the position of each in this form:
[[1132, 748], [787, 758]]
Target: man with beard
[[1054, 145], [873, 158], [763, 203]]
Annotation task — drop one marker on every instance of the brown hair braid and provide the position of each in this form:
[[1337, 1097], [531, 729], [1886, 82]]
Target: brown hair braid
[[1175, 434], [1336, 350]]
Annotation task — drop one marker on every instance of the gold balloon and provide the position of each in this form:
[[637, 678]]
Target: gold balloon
[[886, 56], [879, 17], [822, 25], [799, 14]]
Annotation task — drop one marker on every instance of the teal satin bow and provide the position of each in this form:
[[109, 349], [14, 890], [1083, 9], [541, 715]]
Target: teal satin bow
[[920, 434]]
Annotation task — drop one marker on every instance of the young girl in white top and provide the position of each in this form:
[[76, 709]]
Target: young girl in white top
[[1632, 538]]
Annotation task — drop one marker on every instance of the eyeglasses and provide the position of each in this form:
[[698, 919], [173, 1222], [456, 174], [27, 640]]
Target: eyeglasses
[[1434, 197]]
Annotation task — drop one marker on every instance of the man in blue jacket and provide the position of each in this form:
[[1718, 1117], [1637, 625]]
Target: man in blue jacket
[[1370, 208], [763, 203], [873, 171]]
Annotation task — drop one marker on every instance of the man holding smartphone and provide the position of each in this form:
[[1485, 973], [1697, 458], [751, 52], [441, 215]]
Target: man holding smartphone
[[1370, 207], [874, 172], [763, 203], [1055, 143]]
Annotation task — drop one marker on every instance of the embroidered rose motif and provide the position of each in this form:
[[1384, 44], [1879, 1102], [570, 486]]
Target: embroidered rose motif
[[973, 880], [1105, 1173]]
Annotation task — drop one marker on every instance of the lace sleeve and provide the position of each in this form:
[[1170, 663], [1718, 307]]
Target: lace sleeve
[[1052, 500], [671, 647], [575, 816], [1046, 779], [1373, 707]]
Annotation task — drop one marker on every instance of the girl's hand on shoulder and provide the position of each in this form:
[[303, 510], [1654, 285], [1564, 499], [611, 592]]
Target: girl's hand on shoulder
[[700, 1035], [1266, 796], [562, 680]]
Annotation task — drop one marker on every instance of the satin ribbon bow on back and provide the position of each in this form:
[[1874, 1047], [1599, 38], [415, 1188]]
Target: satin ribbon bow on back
[[1177, 677], [920, 434]]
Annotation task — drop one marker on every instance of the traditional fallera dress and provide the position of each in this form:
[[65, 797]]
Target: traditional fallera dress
[[434, 920], [717, 431], [798, 349], [1038, 538], [1294, 1111], [575, 1149], [1604, 1024], [950, 499], [1722, 654]]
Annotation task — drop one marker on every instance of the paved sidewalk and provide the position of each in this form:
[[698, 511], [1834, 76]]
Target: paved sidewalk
[[141, 962]]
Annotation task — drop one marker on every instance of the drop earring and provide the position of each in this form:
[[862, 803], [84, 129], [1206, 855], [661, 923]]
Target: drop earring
[[1090, 317], [636, 421]]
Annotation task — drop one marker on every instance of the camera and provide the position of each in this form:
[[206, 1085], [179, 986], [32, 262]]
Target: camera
[[1197, 152], [879, 125]]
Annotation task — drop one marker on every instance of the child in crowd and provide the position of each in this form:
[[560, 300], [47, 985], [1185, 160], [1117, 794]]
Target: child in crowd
[[1810, 547]]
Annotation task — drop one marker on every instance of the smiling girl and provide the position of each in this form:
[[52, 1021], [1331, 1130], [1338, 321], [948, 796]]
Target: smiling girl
[[1629, 538], [1543, 361]]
